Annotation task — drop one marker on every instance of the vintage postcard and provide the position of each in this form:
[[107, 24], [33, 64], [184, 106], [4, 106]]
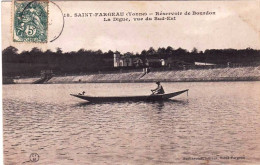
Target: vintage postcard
[[131, 82]]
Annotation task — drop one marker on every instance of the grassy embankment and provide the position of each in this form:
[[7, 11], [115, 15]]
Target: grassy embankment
[[220, 74]]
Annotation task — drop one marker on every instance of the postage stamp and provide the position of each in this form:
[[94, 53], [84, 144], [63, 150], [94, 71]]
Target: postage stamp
[[30, 21]]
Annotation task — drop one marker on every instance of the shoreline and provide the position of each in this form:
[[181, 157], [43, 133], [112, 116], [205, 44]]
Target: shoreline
[[230, 79], [209, 75], [118, 82]]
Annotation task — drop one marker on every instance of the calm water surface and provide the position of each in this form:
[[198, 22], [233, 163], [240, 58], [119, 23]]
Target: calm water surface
[[217, 120]]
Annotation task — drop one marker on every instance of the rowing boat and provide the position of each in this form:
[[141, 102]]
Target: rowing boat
[[153, 97]]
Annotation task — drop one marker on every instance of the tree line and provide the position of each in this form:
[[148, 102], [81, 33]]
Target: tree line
[[30, 63]]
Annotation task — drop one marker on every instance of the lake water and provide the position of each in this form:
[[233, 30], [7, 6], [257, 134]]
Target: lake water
[[217, 121]]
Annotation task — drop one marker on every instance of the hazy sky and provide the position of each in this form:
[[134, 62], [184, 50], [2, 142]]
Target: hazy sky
[[235, 25]]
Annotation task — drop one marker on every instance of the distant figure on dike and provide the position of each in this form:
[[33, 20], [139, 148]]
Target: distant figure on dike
[[159, 89]]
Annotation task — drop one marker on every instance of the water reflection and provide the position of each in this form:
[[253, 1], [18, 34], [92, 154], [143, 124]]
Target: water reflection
[[153, 105]]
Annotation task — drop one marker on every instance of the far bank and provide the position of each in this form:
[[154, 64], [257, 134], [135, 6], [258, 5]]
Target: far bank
[[193, 75]]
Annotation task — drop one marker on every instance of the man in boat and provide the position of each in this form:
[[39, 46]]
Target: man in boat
[[159, 89]]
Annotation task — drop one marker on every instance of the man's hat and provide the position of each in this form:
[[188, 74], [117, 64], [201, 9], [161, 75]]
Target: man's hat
[[157, 82]]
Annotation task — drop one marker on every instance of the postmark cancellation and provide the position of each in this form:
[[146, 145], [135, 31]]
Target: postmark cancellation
[[30, 21]]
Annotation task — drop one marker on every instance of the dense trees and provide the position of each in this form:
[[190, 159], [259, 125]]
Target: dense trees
[[30, 63]]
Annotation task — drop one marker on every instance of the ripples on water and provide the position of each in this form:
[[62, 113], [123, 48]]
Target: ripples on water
[[216, 119]]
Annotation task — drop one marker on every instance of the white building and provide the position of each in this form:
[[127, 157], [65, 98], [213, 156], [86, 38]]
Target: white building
[[122, 61], [203, 63]]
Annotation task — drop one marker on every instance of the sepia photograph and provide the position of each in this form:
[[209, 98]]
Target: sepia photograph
[[130, 82]]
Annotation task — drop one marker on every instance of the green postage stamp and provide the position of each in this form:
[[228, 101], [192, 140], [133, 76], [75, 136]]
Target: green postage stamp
[[30, 21]]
